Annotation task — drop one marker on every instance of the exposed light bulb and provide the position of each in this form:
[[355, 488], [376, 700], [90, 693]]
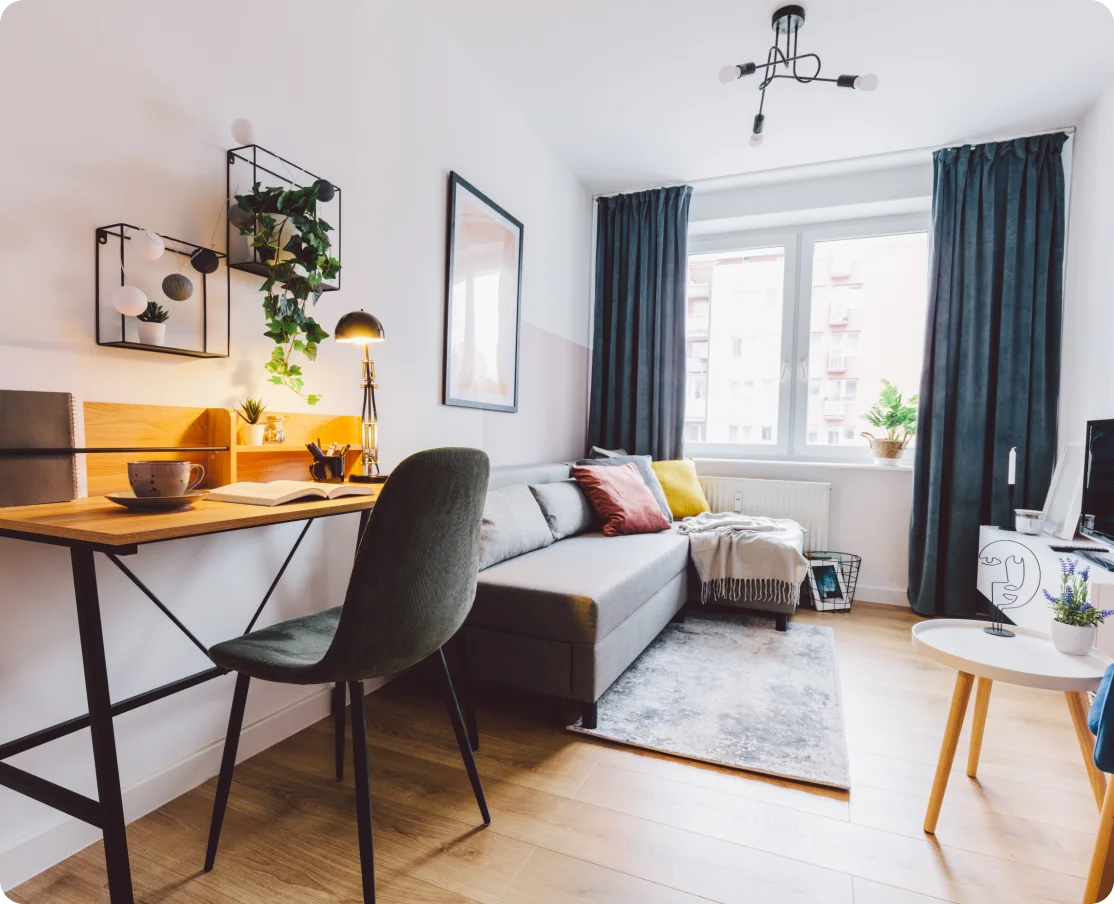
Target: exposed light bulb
[[728, 74], [756, 140], [866, 82], [243, 131]]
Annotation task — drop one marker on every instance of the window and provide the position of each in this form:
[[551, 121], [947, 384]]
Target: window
[[790, 335]]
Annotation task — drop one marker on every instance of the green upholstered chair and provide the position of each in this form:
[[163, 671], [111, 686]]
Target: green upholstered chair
[[412, 585]]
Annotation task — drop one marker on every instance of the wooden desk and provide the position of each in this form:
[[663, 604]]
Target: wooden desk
[[88, 526]]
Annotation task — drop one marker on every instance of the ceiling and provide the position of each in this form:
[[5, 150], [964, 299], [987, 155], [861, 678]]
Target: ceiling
[[626, 91]]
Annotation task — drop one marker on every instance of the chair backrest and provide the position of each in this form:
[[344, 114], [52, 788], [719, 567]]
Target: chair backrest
[[414, 579]]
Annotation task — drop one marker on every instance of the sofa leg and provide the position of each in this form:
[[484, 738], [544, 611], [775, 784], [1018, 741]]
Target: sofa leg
[[782, 622], [589, 715], [679, 618]]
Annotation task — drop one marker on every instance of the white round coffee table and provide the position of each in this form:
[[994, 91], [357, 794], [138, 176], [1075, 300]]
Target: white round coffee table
[[1030, 660]]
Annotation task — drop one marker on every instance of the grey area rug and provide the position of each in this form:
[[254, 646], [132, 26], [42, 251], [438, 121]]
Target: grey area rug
[[731, 690]]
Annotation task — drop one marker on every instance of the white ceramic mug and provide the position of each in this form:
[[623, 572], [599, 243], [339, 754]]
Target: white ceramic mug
[[163, 478]]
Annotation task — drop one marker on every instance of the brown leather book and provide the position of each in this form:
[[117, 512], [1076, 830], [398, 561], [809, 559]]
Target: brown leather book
[[36, 420]]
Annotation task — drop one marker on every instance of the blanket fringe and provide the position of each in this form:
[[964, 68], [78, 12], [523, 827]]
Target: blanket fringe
[[750, 590]]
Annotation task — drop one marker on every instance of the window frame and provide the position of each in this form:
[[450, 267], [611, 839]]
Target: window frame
[[789, 239], [800, 245]]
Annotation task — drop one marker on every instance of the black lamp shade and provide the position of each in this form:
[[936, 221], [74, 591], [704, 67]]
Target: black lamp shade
[[359, 328]]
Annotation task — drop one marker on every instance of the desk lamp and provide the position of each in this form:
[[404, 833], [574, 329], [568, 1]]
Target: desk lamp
[[361, 328]]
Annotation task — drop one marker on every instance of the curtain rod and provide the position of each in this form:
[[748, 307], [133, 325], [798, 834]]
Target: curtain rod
[[1070, 130]]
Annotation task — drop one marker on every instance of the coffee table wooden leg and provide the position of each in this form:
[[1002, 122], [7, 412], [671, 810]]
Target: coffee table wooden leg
[[978, 727], [1100, 878], [1078, 705], [960, 697]]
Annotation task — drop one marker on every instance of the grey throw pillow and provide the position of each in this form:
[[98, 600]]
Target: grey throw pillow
[[597, 452], [567, 510], [513, 524], [642, 462]]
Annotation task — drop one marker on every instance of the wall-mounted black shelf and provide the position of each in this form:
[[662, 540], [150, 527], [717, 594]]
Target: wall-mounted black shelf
[[252, 163], [119, 232]]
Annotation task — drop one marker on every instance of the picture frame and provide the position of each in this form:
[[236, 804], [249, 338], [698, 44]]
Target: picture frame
[[827, 585], [483, 301]]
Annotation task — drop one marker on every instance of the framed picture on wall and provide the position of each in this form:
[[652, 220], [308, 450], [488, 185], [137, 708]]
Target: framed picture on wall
[[483, 301]]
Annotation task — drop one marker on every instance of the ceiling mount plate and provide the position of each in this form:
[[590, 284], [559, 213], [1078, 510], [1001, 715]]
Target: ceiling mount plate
[[788, 19]]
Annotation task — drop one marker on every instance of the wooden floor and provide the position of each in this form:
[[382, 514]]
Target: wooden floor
[[580, 820]]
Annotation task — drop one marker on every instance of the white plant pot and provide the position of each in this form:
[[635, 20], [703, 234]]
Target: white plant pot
[[251, 434], [1072, 639], [152, 333]]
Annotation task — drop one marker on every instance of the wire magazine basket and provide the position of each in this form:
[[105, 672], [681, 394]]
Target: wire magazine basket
[[831, 581]]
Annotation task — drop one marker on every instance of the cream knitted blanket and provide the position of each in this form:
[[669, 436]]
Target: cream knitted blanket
[[745, 559]]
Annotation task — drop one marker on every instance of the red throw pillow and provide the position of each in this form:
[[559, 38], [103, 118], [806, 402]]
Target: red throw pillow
[[621, 499]]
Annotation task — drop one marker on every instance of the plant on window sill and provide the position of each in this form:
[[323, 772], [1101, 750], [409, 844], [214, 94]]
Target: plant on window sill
[[896, 417], [297, 269]]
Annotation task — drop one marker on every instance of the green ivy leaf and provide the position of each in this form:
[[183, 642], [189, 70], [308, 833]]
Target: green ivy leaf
[[313, 399]]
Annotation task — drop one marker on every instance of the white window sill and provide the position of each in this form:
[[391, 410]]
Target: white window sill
[[802, 463]]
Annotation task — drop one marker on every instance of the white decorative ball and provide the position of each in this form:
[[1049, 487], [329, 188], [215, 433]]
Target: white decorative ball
[[129, 300], [147, 245], [243, 131]]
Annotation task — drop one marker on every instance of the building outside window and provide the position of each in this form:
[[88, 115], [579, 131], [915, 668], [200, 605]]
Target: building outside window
[[847, 302]]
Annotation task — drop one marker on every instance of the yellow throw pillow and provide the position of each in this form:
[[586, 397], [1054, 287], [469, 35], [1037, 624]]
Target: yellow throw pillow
[[682, 489]]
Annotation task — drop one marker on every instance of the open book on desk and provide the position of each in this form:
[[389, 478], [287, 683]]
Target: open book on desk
[[279, 492]]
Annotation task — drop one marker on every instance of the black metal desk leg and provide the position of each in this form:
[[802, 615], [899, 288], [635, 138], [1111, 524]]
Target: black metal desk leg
[[100, 725]]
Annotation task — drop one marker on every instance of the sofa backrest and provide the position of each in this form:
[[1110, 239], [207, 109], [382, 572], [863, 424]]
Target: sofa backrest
[[509, 475]]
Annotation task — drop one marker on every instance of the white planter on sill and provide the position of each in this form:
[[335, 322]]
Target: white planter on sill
[[1072, 639], [152, 333]]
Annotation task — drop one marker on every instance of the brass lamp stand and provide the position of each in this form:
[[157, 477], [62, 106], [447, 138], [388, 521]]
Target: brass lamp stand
[[361, 328]]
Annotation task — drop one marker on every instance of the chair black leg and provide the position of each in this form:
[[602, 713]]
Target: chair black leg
[[781, 622], [464, 689], [338, 727], [228, 763], [589, 716], [462, 739], [363, 789]]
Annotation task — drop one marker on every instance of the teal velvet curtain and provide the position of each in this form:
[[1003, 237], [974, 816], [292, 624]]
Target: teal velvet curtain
[[637, 397], [992, 358]]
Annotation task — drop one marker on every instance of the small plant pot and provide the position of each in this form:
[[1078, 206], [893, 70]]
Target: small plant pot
[[251, 434], [1072, 639], [887, 452], [152, 333]]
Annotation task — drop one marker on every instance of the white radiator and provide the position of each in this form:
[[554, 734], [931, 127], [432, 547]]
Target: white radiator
[[805, 503]]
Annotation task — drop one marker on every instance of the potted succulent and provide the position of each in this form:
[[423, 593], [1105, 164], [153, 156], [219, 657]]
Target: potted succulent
[[152, 324], [251, 431], [896, 417], [1076, 621]]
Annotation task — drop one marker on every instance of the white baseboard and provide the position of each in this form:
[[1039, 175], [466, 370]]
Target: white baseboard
[[33, 856], [885, 595]]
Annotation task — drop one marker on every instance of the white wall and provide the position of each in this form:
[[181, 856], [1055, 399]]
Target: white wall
[[869, 516], [119, 111], [1086, 387]]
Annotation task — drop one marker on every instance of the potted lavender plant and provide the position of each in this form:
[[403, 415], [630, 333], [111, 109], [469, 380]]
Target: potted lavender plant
[[1076, 621]]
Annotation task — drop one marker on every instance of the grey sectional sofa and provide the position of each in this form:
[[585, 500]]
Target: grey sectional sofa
[[568, 618]]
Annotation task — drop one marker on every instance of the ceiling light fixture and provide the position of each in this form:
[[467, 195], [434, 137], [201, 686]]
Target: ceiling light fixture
[[787, 22]]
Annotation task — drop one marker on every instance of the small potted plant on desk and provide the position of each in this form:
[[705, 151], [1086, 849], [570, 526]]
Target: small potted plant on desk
[[152, 324], [897, 417], [251, 432], [1076, 621]]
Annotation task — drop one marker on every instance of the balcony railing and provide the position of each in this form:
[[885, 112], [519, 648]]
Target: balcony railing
[[837, 362], [837, 315], [834, 409]]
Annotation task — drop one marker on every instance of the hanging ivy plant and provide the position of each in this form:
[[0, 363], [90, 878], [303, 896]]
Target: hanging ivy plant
[[293, 243]]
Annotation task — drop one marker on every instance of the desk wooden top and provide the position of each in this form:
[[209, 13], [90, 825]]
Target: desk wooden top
[[102, 523]]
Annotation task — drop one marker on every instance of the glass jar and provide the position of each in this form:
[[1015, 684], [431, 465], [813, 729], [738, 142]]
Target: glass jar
[[274, 431]]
